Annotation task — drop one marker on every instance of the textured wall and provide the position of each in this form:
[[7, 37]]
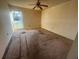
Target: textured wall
[[5, 26], [61, 19], [32, 18]]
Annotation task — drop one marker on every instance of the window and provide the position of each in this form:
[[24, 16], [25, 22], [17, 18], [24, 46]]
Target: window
[[16, 20]]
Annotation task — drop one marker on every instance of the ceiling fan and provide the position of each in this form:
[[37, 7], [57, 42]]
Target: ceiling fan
[[39, 5]]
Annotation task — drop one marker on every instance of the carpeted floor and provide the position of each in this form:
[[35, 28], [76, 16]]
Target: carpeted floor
[[34, 44]]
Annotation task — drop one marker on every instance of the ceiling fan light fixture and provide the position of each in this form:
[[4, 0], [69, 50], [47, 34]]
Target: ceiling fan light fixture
[[39, 5]]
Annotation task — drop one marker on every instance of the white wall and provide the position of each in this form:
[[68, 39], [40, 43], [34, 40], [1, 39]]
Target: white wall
[[5, 26], [73, 53], [32, 18], [61, 19]]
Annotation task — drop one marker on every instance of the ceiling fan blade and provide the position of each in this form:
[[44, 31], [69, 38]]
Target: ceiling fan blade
[[34, 7], [44, 5], [40, 7]]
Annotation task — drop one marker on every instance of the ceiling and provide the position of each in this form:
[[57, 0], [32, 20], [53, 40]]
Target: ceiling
[[28, 3]]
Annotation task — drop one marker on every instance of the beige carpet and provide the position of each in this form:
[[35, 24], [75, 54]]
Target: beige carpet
[[33, 44]]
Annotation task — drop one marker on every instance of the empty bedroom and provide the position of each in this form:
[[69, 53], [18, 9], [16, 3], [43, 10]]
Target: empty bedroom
[[38, 29]]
